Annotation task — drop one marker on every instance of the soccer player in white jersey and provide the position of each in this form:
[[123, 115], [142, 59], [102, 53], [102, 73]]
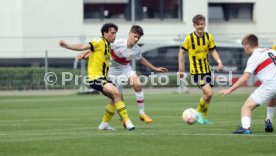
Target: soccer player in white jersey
[[270, 111], [262, 62], [120, 71]]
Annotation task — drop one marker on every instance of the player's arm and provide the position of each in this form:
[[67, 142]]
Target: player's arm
[[217, 58], [238, 84], [181, 62], [146, 63], [83, 55], [77, 47]]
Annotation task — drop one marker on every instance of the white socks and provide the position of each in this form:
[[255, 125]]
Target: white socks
[[270, 113], [140, 101], [246, 122]]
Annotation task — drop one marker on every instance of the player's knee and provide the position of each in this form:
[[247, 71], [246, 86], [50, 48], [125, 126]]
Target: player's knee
[[209, 94], [116, 93], [137, 87]]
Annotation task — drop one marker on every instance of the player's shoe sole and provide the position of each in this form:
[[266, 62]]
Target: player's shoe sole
[[145, 118]]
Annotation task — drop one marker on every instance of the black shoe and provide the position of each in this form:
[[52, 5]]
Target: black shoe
[[268, 126], [241, 130]]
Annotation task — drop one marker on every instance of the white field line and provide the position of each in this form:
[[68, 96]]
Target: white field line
[[95, 132]]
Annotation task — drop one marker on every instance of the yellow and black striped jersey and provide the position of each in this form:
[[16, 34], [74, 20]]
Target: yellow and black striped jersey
[[198, 48], [98, 62]]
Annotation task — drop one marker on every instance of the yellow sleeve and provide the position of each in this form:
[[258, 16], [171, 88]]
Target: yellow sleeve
[[93, 45], [212, 44], [274, 47], [186, 43]]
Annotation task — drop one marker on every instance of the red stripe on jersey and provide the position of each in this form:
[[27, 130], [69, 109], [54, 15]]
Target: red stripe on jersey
[[140, 101], [264, 64], [119, 60]]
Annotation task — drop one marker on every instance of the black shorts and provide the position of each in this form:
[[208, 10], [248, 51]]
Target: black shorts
[[202, 79], [99, 83]]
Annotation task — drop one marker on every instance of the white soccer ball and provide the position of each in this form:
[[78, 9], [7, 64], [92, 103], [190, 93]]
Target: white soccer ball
[[190, 116]]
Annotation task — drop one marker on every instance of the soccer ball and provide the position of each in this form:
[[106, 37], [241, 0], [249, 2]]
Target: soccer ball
[[190, 116]]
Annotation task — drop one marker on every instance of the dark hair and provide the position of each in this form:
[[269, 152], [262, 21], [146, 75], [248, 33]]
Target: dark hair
[[251, 40], [106, 27], [197, 18], [137, 29]]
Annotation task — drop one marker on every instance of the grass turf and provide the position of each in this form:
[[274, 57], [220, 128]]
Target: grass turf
[[67, 125]]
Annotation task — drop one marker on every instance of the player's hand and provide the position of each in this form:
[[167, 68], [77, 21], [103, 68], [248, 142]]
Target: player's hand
[[220, 67], [62, 43], [79, 57], [161, 69], [224, 92], [180, 73]]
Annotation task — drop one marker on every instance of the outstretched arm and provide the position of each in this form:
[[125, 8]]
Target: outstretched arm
[[78, 47], [218, 60], [238, 84], [146, 63]]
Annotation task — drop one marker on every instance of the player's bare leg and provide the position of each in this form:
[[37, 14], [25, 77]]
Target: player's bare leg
[[246, 112], [139, 94]]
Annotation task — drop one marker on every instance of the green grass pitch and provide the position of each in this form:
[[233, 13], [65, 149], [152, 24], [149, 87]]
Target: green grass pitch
[[67, 126]]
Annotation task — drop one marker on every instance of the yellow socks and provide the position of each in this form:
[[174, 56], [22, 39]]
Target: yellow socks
[[109, 112], [121, 109], [202, 107], [205, 109]]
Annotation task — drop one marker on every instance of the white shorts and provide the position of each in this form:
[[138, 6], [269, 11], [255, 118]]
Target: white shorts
[[120, 78], [263, 94]]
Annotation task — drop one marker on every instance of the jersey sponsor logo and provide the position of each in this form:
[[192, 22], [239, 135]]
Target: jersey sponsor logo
[[122, 60]]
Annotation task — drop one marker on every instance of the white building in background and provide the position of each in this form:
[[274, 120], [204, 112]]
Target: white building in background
[[29, 27]]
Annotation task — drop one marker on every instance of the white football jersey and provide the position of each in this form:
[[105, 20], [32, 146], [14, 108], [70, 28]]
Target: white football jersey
[[121, 56], [263, 63]]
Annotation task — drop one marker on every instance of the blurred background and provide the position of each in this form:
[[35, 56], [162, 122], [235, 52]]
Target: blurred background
[[30, 31]]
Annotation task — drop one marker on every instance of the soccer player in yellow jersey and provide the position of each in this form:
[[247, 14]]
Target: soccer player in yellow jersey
[[98, 64], [197, 45], [123, 51]]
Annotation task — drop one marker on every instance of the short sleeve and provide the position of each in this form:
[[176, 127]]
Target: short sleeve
[[212, 44], [252, 64], [94, 44], [185, 44]]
